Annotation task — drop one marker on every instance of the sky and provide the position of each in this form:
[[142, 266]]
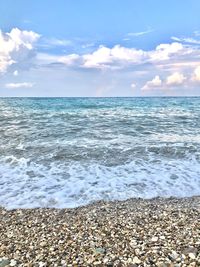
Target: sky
[[99, 48]]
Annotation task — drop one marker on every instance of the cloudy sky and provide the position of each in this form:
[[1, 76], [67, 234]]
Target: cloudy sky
[[99, 48]]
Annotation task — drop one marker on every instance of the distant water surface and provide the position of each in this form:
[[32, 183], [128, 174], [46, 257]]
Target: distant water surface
[[66, 152]]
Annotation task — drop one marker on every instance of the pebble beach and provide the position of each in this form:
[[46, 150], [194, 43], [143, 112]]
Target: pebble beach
[[136, 232]]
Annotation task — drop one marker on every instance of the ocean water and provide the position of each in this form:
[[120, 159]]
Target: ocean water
[[67, 152]]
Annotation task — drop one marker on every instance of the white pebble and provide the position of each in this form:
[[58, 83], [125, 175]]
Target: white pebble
[[13, 262], [136, 260], [192, 256], [154, 239]]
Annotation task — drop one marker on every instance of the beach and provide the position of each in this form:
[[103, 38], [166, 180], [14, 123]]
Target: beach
[[136, 232], [100, 182], [99, 133]]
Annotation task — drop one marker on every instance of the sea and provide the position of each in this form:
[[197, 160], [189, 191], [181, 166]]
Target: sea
[[68, 152]]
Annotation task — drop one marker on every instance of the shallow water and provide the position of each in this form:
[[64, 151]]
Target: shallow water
[[66, 152]]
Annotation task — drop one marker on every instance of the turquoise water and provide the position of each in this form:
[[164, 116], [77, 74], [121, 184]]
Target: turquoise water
[[66, 152]]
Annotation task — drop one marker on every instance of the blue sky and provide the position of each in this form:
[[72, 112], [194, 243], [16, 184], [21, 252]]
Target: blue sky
[[99, 48]]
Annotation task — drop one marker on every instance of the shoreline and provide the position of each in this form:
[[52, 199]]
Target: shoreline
[[104, 202], [135, 232]]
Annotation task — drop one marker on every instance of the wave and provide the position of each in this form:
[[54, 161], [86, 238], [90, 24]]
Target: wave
[[25, 184], [68, 152]]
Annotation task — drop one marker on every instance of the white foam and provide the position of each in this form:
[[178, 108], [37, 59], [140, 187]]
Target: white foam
[[26, 184]]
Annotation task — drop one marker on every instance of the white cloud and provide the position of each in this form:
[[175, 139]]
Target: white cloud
[[133, 85], [87, 45], [59, 42], [54, 42], [15, 73], [73, 60], [44, 58], [119, 57], [196, 75], [197, 33], [181, 56], [175, 79], [99, 58], [153, 84], [19, 85], [136, 34], [166, 52], [188, 40], [16, 47], [70, 59], [115, 57]]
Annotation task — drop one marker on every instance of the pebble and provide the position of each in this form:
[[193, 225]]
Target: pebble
[[4, 262], [174, 255], [13, 262], [154, 239], [136, 232], [136, 260], [192, 256]]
